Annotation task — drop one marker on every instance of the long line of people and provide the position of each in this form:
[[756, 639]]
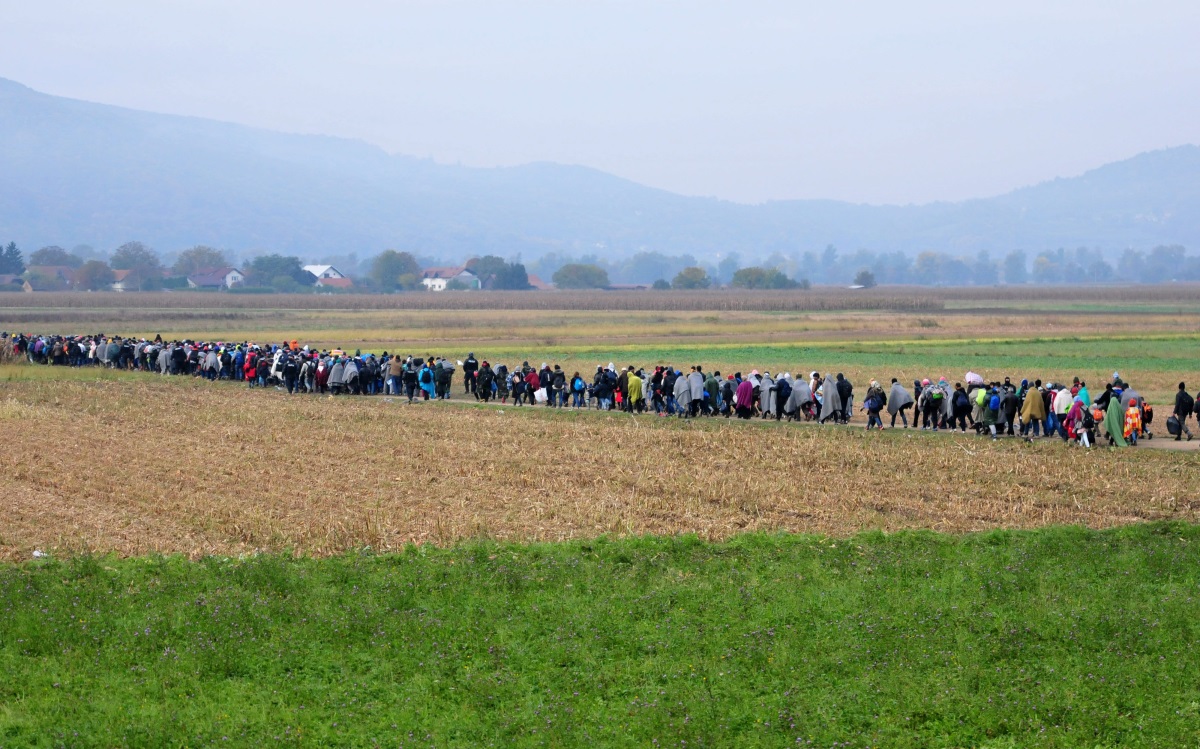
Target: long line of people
[[1119, 415]]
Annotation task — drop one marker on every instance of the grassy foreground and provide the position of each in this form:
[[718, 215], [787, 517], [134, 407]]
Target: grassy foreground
[[1056, 637]]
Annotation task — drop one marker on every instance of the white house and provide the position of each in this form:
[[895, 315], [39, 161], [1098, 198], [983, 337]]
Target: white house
[[324, 271], [436, 279], [216, 278]]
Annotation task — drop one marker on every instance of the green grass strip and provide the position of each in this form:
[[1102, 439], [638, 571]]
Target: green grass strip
[[1060, 637]]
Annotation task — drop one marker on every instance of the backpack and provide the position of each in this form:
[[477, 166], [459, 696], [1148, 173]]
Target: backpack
[[1089, 421], [426, 377], [994, 403], [961, 400], [1186, 405], [980, 397], [936, 394], [783, 389]]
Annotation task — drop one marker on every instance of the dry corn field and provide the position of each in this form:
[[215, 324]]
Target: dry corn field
[[142, 465]]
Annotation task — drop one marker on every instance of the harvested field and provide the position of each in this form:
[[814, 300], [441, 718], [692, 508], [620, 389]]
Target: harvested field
[[822, 298], [138, 464], [707, 300]]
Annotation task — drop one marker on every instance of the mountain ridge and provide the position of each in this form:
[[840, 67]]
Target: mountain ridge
[[79, 171]]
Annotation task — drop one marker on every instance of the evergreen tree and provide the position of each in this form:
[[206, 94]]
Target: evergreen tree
[[11, 261]]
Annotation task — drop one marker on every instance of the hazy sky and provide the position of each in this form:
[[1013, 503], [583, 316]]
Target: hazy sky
[[891, 102]]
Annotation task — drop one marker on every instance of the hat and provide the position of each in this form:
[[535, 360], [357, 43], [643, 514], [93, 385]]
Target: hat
[[925, 381], [754, 373]]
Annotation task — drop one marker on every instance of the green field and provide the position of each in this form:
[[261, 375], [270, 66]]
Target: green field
[[1060, 637]]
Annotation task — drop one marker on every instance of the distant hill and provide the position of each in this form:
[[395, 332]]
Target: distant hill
[[76, 172]]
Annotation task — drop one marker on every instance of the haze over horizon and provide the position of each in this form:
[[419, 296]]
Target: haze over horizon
[[768, 100]]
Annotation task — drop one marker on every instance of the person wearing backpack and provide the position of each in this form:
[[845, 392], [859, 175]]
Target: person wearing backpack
[[425, 380], [558, 388], [1080, 422], [578, 391], [873, 404], [961, 408], [931, 405], [1184, 406], [991, 411]]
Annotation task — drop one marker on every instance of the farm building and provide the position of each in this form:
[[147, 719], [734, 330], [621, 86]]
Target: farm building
[[120, 282], [324, 271], [216, 278], [334, 283], [436, 279]]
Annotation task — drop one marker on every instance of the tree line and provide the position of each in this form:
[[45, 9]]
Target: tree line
[[142, 268], [830, 266]]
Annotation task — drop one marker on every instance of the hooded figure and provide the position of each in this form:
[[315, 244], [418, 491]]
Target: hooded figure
[[898, 398], [766, 395], [1034, 408], [350, 376], [1114, 423], [745, 399], [832, 405], [682, 392], [696, 385], [1128, 395], [425, 379], [336, 373], [946, 404], [634, 386], [1074, 421], [801, 396]]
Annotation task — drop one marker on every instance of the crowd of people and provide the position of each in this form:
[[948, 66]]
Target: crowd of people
[[1117, 415]]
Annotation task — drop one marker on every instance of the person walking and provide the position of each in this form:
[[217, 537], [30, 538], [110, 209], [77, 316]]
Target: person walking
[[1033, 411], [1184, 405], [898, 402], [470, 375], [873, 404]]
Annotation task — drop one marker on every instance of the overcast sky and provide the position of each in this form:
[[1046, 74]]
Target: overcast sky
[[881, 102]]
